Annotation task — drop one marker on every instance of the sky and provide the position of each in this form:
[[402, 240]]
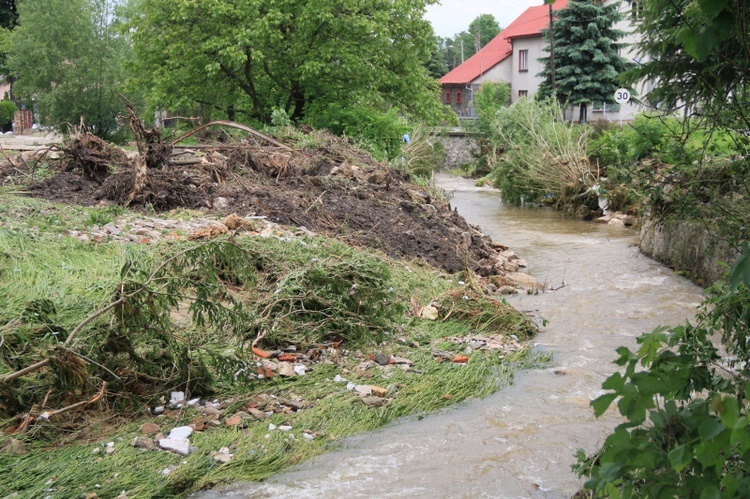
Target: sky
[[454, 16]]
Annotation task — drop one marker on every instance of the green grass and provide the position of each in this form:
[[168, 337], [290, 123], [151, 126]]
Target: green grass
[[49, 282]]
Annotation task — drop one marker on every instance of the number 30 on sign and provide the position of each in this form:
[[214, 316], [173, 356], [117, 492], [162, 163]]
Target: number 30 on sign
[[622, 95]]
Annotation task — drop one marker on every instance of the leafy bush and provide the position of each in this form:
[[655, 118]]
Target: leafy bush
[[656, 155], [669, 140], [380, 133], [687, 428], [490, 98], [7, 112], [543, 154], [424, 153]]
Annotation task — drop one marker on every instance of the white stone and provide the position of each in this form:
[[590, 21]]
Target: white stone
[[430, 313], [339, 379], [179, 445], [285, 427], [180, 432], [223, 457], [176, 398], [525, 280], [363, 390], [286, 369], [300, 370]]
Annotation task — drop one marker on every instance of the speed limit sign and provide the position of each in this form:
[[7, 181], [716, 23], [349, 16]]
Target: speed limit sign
[[622, 95]]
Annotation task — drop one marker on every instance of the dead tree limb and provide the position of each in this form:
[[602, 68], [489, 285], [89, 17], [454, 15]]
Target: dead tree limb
[[232, 124]]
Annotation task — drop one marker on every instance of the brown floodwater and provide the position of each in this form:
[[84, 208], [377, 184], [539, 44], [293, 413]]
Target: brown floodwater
[[520, 442]]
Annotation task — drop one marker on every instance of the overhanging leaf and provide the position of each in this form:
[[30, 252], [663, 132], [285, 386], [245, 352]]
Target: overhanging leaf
[[740, 271], [712, 8], [601, 404], [680, 457]]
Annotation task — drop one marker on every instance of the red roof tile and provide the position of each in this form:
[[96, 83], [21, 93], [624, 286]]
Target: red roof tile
[[530, 23]]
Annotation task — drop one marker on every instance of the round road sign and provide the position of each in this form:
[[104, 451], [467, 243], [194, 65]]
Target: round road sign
[[622, 95]]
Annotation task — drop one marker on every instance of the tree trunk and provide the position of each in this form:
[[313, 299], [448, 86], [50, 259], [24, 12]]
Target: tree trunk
[[298, 101], [582, 113]]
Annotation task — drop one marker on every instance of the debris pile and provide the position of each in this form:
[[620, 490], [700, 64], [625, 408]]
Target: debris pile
[[333, 189]]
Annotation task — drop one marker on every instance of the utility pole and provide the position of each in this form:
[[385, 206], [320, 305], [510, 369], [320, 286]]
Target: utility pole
[[553, 82], [478, 46], [462, 51]]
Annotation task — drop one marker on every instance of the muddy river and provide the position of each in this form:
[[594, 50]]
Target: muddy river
[[519, 442]]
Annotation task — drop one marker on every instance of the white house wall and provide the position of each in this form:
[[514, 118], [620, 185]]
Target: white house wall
[[508, 70], [528, 80], [501, 72]]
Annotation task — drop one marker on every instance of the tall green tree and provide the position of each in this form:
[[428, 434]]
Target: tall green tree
[[250, 57], [8, 21], [697, 57], [67, 57], [587, 62], [8, 14]]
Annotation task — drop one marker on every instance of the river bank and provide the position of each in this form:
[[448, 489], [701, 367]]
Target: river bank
[[149, 354], [521, 441]]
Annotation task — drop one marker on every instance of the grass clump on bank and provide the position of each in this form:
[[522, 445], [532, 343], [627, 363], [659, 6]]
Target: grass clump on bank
[[113, 329]]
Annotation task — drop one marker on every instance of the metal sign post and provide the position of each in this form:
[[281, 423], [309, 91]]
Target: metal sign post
[[622, 96]]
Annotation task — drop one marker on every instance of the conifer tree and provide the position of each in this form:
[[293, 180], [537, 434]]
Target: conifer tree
[[587, 62]]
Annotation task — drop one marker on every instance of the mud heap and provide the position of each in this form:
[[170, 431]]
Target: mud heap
[[333, 189]]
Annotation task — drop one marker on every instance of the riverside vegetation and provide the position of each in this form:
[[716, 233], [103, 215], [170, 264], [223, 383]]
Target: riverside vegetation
[[259, 326]]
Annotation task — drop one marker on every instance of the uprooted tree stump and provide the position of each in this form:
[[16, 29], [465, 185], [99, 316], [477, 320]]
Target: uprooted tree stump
[[152, 152], [92, 156]]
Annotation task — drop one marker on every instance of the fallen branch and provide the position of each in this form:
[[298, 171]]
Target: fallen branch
[[35, 367], [99, 395], [7, 157], [315, 202], [232, 124]]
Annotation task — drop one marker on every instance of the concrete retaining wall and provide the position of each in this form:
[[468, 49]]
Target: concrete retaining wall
[[687, 247], [458, 149]]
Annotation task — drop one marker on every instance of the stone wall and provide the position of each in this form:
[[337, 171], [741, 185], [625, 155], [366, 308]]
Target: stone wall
[[458, 149], [687, 247]]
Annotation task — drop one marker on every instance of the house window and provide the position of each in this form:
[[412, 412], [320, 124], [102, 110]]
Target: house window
[[523, 60], [636, 11], [521, 93], [447, 96], [600, 107], [458, 97]]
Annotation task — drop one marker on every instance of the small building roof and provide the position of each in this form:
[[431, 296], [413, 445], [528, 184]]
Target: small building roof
[[530, 23]]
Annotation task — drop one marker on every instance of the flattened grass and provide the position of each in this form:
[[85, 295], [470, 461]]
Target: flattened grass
[[39, 261]]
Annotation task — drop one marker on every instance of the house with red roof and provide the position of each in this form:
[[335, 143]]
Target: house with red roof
[[513, 57]]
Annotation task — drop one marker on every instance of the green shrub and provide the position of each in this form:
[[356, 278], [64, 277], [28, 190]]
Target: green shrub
[[490, 98], [424, 153], [657, 160], [380, 133], [542, 153], [668, 140], [7, 112]]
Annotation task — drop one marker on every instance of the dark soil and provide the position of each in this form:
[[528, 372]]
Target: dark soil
[[335, 190]]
